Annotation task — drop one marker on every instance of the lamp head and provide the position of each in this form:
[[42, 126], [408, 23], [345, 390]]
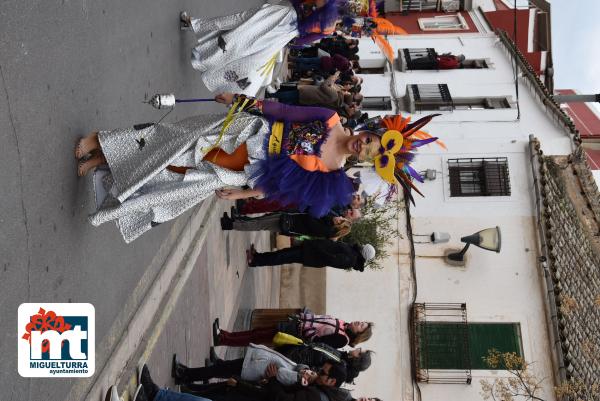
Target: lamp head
[[489, 239]]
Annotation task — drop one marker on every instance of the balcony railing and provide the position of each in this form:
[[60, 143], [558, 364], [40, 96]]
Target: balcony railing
[[431, 97], [440, 343], [420, 59], [432, 5]]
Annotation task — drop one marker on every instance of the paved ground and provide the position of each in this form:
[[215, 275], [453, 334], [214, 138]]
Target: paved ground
[[66, 68], [219, 286]]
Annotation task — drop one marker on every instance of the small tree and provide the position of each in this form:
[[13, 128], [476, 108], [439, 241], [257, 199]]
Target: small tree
[[377, 227], [522, 384]]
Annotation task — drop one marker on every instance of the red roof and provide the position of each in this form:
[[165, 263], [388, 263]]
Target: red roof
[[593, 156], [505, 19], [585, 119]]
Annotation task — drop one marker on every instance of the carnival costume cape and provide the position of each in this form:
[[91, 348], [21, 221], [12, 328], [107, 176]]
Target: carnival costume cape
[[399, 139], [238, 53], [158, 171]]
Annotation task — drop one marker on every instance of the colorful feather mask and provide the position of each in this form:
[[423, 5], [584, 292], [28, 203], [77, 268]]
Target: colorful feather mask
[[372, 25], [400, 139]]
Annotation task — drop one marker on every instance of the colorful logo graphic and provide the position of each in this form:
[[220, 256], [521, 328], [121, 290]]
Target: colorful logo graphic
[[56, 340]]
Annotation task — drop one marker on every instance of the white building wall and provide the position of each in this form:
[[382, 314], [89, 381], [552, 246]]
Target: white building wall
[[504, 287]]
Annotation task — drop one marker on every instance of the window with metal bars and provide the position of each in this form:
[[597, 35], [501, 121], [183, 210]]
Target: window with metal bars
[[430, 97], [432, 5], [428, 59], [377, 103], [427, 97], [371, 70], [446, 346], [479, 177], [421, 59]]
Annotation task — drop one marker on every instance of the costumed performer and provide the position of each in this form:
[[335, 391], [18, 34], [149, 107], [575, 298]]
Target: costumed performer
[[291, 154], [238, 52]]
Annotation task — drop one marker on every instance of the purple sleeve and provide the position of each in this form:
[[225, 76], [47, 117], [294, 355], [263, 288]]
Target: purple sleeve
[[289, 113]]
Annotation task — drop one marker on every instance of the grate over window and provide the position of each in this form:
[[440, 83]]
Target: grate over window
[[371, 70], [431, 97], [479, 177], [377, 103], [421, 59], [440, 343], [432, 5]]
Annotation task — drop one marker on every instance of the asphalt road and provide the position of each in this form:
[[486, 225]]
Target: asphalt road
[[68, 68]]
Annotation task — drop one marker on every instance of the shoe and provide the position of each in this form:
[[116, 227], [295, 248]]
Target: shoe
[[226, 222], [215, 333], [140, 394], [149, 388], [214, 358], [185, 22], [250, 255], [112, 394], [212, 355], [178, 371]]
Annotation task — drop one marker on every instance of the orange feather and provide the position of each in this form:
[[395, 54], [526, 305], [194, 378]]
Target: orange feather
[[385, 27], [384, 45]]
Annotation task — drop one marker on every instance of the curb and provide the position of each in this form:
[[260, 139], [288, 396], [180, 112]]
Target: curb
[[139, 337]]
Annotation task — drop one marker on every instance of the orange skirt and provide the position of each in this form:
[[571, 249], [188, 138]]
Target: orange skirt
[[234, 161]]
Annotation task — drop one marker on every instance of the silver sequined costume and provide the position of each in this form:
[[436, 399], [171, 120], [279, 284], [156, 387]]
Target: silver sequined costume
[[234, 51], [144, 193]]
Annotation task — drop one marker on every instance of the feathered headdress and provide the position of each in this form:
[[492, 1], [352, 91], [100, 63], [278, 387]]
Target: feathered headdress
[[400, 139], [375, 26]]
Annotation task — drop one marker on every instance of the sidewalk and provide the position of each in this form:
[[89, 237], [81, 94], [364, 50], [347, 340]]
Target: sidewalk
[[220, 285], [211, 280]]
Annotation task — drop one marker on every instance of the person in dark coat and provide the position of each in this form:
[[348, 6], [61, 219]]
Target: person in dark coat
[[316, 253], [315, 355], [291, 224]]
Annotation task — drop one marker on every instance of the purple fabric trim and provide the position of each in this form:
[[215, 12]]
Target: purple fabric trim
[[422, 142], [276, 111], [322, 17], [284, 181], [415, 174]]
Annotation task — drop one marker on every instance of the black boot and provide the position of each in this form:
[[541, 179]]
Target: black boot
[[178, 371], [215, 333], [213, 356], [149, 388], [226, 222], [140, 394]]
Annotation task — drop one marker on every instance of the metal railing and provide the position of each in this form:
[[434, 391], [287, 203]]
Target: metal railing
[[431, 5], [479, 177], [421, 59], [433, 347], [432, 97]]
